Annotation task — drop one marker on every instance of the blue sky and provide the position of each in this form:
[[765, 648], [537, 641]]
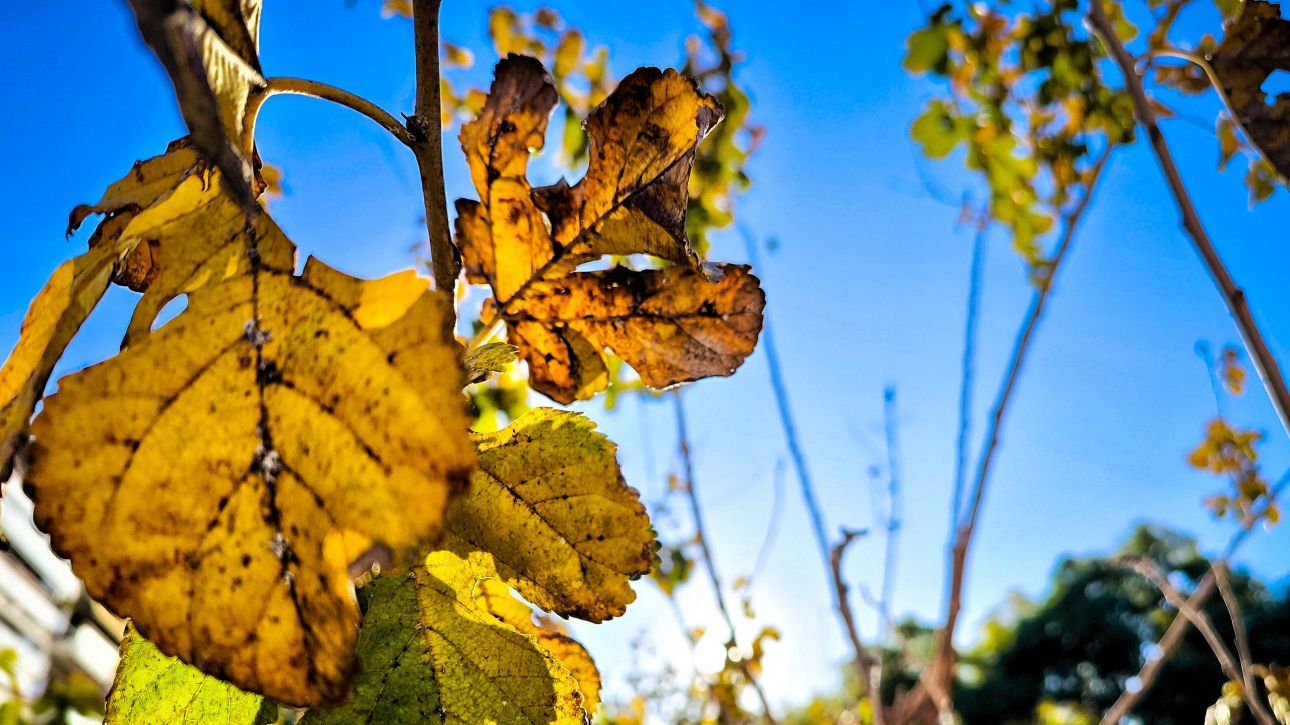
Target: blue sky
[[866, 290]]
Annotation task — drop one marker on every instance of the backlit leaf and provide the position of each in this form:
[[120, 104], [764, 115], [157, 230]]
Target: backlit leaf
[[210, 49], [153, 688], [57, 312], [488, 359], [1256, 46], [189, 232], [430, 653], [526, 243], [497, 598], [550, 505], [215, 480]]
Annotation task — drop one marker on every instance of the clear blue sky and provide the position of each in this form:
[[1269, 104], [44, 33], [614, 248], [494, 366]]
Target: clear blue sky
[[866, 290]]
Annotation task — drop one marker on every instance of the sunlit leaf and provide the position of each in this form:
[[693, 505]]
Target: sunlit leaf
[[215, 480], [430, 653], [549, 504], [488, 359], [496, 597], [153, 688], [56, 313]]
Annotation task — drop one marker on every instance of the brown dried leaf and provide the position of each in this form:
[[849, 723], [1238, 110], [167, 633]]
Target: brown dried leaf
[[526, 243], [1257, 45]]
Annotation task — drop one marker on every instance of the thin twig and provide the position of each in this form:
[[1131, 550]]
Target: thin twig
[[943, 664], [1249, 682], [1201, 621], [426, 127], [314, 89], [787, 421], [892, 523], [705, 549], [1180, 626], [966, 370], [867, 667], [1264, 361]]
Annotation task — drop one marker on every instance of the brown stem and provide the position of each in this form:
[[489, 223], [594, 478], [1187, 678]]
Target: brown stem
[[942, 667], [1264, 361], [867, 668], [426, 126], [705, 549]]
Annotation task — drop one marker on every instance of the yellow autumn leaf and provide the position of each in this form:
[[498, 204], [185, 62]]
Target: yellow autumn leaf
[[487, 360], [430, 653], [497, 598], [210, 49], [549, 505], [56, 313], [525, 243], [152, 688], [215, 480]]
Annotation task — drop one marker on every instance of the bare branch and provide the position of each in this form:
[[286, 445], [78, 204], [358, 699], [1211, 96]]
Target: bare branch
[[1179, 628], [705, 548], [426, 127], [892, 519], [1248, 680], [1265, 362], [867, 667], [941, 671], [1201, 621]]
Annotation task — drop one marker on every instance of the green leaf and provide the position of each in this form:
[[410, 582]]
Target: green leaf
[[937, 130], [926, 49], [488, 359], [430, 653], [152, 688]]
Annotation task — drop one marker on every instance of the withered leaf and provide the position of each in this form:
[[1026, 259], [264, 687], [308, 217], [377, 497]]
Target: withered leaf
[[548, 504], [1257, 44], [215, 480], [672, 326], [432, 653], [526, 243], [210, 49]]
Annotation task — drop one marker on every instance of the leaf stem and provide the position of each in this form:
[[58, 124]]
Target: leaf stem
[[1264, 361], [426, 127], [314, 89]]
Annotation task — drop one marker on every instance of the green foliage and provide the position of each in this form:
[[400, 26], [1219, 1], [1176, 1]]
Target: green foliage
[[151, 688], [1026, 102]]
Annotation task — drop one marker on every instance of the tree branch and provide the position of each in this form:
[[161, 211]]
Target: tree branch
[[867, 668], [1179, 628], [426, 127], [705, 549], [787, 422], [1248, 681], [1149, 569], [1265, 362], [942, 667]]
